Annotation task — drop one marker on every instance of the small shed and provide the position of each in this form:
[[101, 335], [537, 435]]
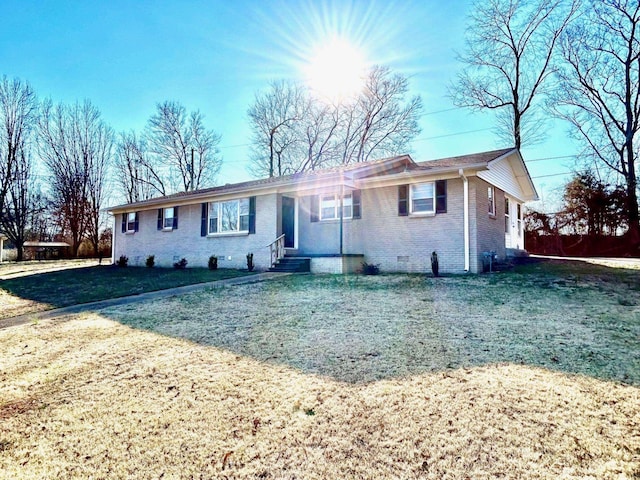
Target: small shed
[[45, 250]]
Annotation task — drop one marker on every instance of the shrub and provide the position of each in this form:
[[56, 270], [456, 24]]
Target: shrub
[[123, 261], [250, 262], [151, 261], [213, 262], [181, 265], [370, 268]]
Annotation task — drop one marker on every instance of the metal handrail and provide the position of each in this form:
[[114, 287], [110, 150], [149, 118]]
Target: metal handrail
[[276, 249]]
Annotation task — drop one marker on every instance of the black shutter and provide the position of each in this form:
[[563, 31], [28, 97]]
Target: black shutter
[[252, 215], [135, 223], [159, 219], [175, 218], [403, 201], [355, 202], [124, 223], [203, 219], [314, 208], [441, 196]]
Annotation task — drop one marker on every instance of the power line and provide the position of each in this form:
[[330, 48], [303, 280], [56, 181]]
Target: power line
[[440, 111], [549, 158], [451, 134], [241, 145], [553, 175]]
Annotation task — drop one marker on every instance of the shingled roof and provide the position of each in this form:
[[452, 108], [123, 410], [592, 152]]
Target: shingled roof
[[452, 163], [462, 161]]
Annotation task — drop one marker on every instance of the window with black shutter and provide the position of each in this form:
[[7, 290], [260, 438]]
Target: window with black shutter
[[314, 207], [204, 219], [252, 215], [441, 196], [356, 203], [403, 202]]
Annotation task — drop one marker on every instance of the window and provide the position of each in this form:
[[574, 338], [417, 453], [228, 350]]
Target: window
[[131, 222], [423, 198], [519, 220], [330, 207], [168, 218], [491, 194], [506, 216], [229, 217]]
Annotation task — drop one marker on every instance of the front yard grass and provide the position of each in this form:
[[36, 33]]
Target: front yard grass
[[72, 286], [529, 374]]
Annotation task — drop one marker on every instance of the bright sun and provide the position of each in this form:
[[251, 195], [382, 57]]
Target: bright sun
[[337, 71]]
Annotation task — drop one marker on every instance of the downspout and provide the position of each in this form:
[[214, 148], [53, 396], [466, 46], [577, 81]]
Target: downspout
[[465, 217], [341, 213], [113, 239]]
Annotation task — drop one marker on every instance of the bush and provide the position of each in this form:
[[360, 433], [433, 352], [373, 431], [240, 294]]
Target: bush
[[370, 268], [213, 262], [123, 261], [151, 261], [250, 262], [181, 265]]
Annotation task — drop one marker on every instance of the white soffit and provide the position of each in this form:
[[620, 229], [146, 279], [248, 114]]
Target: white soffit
[[510, 174]]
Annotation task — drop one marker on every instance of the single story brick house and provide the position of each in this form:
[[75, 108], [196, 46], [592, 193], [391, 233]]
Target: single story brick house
[[393, 212]]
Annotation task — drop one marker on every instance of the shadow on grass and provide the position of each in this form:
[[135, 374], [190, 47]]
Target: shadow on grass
[[572, 317], [87, 284]]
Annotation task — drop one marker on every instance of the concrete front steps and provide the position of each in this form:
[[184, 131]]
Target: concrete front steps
[[292, 264]]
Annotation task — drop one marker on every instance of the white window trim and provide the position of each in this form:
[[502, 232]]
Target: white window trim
[[492, 211], [336, 207], [507, 216], [519, 215], [133, 223], [218, 217], [164, 219], [427, 213]]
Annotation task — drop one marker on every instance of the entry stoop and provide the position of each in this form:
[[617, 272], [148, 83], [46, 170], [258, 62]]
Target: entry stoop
[[292, 264]]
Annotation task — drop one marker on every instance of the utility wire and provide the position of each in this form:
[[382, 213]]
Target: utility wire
[[549, 158]]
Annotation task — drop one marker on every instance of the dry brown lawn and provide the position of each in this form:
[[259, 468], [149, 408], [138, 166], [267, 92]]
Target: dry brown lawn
[[13, 305], [387, 377], [19, 269]]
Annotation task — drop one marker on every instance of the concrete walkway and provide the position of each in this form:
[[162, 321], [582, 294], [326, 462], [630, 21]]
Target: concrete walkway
[[93, 306]]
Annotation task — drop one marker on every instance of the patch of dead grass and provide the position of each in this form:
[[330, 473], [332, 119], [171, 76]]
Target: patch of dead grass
[[109, 401]]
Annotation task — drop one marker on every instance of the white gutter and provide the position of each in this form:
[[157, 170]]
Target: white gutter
[[465, 220]]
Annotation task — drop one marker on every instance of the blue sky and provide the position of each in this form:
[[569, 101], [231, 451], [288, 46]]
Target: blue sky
[[214, 56]]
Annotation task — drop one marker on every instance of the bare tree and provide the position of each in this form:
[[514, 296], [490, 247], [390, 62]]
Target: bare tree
[[185, 154], [383, 124], [510, 47], [294, 131], [22, 203], [134, 170], [76, 146], [317, 131], [18, 111], [273, 117], [599, 91]]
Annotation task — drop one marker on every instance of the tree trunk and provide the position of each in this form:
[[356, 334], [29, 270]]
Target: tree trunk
[[633, 233]]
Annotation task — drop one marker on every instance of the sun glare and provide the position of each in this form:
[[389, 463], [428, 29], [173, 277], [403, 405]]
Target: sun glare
[[336, 71]]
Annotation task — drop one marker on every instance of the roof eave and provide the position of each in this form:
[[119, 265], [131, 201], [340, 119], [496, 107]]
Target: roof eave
[[527, 176]]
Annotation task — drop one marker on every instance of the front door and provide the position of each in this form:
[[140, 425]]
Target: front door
[[289, 221]]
